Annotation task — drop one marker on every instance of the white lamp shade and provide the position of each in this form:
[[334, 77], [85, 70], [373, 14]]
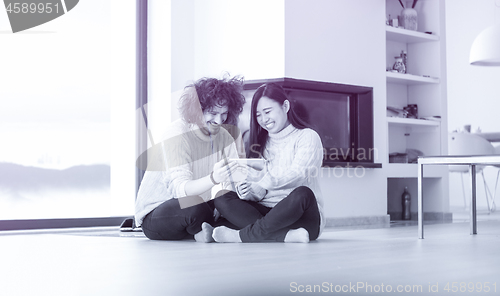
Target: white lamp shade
[[485, 50]]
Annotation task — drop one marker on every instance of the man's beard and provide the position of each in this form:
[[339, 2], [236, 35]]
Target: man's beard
[[211, 129], [214, 128]]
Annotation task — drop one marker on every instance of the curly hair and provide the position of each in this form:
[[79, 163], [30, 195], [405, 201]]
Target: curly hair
[[207, 93]]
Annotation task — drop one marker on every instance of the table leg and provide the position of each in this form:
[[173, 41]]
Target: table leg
[[420, 202], [473, 220]]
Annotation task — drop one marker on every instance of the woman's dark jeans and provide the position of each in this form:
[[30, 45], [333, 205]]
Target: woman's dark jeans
[[260, 223]]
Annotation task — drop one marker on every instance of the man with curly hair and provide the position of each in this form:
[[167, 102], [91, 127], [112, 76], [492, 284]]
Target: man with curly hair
[[174, 197]]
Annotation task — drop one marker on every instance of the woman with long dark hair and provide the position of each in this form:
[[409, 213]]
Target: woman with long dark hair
[[281, 201]]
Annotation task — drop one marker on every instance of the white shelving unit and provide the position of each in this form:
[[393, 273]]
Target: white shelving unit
[[424, 84]]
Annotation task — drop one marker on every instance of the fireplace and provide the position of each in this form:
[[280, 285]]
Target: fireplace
[[341, 114]]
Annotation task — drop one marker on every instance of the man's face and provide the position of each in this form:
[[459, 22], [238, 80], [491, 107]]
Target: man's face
[[214, 117]]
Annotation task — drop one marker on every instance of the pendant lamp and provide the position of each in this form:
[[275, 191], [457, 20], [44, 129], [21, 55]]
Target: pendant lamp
[[485, 50]]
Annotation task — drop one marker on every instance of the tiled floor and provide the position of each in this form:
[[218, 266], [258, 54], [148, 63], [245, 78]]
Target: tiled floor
[[105, 262]]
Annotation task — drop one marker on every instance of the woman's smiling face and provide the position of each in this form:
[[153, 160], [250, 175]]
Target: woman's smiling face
[[271, 115]]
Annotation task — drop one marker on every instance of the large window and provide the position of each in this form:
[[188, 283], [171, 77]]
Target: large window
[[67, 117]]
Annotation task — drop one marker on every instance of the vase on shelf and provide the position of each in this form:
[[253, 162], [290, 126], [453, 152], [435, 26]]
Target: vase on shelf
[[405, 60], [399, 65], [408, 17]]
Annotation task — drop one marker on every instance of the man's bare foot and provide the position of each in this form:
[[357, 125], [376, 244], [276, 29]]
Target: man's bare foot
[[205, 235], [300, 235], [223, 234]]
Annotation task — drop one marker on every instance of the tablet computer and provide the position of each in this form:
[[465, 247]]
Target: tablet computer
[[255, 163]]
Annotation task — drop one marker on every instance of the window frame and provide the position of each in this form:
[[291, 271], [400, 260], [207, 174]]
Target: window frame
[[141, 140]]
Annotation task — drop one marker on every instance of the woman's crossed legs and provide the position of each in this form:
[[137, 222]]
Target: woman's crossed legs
[[294, 219]]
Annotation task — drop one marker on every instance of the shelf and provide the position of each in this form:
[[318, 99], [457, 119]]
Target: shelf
[[407, 36], [410, 170], [340, 164], [408, 79], [412, 122]]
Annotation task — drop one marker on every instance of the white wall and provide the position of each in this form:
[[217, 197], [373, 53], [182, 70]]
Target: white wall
[[343, 41], [212, 38], [239, 37], [473, 92], [338, 41]]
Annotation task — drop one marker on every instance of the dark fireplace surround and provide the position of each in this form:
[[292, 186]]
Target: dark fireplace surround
[[341, 114]]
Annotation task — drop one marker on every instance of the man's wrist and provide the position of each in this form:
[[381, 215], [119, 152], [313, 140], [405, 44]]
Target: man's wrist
[[212, 178]]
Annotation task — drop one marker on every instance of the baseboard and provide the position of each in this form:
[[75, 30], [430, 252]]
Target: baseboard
[[60, 223], [358, 220], [428, 216]]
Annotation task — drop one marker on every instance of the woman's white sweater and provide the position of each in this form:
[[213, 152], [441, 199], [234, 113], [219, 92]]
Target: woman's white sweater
[[294, 158]]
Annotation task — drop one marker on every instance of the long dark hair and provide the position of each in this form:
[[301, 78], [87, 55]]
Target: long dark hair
[[258, 135]]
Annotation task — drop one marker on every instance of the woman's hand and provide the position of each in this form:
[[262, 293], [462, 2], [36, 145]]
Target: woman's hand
[[251, 191], [223, 169], [243, 189]]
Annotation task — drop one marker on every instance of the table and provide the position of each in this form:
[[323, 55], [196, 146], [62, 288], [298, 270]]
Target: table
[[471, 161]]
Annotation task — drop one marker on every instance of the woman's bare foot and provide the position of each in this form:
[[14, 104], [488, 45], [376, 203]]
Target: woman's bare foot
[[205, 235], [223, 234], [300, 235]]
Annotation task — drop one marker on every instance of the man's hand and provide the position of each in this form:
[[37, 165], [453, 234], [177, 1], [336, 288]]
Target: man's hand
[[223, 169]]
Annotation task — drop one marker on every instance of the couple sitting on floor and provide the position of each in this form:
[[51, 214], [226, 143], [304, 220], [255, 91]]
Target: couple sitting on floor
[[278, 199]]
